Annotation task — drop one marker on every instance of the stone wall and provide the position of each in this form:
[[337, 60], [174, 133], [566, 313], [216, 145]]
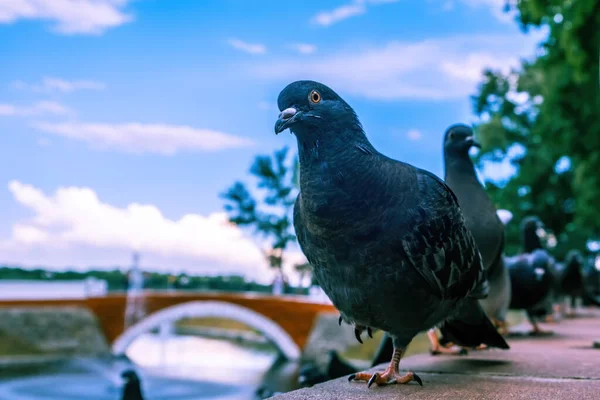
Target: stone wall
[[44, 331]]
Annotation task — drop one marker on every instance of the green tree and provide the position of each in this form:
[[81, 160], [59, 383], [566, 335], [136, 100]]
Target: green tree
[[270, 217], [550, 107], [303, 270]]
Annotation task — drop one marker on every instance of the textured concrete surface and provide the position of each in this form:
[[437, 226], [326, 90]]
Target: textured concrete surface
[[564, 365]]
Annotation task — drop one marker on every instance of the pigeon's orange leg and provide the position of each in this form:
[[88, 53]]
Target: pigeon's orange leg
[[502, 326], [437, 348], [390, 376]]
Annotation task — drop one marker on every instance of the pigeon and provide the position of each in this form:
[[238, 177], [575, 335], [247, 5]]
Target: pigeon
[[572, 281], [388, 242], [591, 275], [531, 275], [132, 390], [481, 217]]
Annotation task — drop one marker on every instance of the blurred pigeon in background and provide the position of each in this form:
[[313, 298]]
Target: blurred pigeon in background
[[132, 390], [481, 218], [571, 284], [387, 241], [531, 275]]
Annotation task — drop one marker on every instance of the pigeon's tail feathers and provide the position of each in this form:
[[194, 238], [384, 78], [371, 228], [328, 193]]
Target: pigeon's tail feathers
[[470, 327]]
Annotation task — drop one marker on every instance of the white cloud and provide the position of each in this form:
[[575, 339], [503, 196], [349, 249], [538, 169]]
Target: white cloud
[[496, 8], [470, 68], [74, 227], [443, 68], [304, 48], [70, 16], [251, 48], [327, 18], [353, 9], [75, 217], [145, 138], [38, 109], [50, 84], [414, 135]]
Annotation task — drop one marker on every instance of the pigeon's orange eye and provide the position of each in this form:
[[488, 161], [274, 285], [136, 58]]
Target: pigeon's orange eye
[[315, 96]]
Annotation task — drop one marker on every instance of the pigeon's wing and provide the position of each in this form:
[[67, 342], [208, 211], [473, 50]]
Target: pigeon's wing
[[438, 244], [301, 232]]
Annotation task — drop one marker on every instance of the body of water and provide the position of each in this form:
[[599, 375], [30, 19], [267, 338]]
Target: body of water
[[179, 367]]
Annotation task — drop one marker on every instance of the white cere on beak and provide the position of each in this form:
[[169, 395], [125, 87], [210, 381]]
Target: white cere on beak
[[287, 113]]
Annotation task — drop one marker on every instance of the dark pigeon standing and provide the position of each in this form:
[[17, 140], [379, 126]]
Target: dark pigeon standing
[[132, 390], [591, 274], [387, 241], [571, 282], [531, 275], [481, 218]]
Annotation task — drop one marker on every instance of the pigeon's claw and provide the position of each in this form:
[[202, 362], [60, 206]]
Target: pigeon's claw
[[502, 326], [370, 332], [537, 331], [357, 333], [387, 377], [437, 348]]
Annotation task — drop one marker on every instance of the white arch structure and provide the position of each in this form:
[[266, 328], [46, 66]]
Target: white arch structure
[[207, 309]]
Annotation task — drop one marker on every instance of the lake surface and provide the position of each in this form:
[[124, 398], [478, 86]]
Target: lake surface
[[181, 367]]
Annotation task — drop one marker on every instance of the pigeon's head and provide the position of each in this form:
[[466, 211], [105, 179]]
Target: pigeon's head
[[311, 107], [129, 375], [574, 257], [459, 139], [533, 225]]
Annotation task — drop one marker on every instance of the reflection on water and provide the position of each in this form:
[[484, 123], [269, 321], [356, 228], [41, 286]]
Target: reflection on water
[[180, 367]]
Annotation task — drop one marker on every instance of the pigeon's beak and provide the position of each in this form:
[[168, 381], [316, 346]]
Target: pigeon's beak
[[286, 118], [472, 142]]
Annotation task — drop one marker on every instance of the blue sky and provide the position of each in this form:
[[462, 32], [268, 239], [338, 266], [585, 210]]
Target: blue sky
[[122, 121]]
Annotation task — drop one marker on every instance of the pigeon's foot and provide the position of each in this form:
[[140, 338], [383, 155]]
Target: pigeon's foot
[[389, 376], [537, 331], [502, 326], [437, 348], [386, 377]]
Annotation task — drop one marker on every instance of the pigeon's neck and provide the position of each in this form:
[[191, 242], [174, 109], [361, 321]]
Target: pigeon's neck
[[459, 167], [331, 147], [331, 161], [531, 241]]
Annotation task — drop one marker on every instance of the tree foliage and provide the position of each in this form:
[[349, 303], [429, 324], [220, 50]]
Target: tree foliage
[[550, 107], [270, 216]]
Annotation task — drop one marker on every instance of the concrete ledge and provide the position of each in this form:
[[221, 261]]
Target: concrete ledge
[[449, 386], [562, 366]]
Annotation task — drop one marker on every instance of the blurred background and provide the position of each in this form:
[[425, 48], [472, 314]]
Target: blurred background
[[145, 202]]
